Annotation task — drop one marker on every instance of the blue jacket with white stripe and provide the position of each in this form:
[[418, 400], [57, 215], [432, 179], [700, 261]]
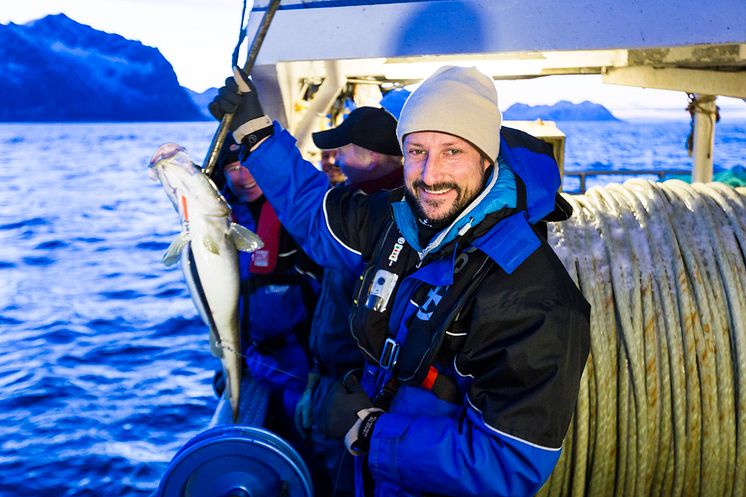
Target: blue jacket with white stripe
[[507, 332]]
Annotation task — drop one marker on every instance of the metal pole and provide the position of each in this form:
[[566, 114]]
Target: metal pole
[[328, 91], [705, 111], [217, 141]]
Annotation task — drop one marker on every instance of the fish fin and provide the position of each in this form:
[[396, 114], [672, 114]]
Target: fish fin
[[244, 239], [173, 253], [210, 245]]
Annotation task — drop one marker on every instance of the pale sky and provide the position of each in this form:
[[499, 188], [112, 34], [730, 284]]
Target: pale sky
[[198, 36]]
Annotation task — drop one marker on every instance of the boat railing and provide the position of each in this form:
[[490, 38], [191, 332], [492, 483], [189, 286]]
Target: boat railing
[[582, 175]]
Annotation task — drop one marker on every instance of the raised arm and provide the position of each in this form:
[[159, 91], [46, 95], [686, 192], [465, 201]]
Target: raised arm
[[333, 225], [326, 223]]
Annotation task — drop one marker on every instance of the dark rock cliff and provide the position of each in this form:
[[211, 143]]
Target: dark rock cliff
[[56, 69]]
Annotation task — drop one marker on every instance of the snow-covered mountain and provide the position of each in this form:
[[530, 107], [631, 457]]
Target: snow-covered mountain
[[56, 69], [561, 111]]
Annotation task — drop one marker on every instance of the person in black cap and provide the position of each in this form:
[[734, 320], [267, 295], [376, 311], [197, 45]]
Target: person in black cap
[[367, 151]]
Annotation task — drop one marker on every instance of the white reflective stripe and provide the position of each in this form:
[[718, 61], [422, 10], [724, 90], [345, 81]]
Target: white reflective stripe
[[455, 367], [329, 228], [250, 127], [306, 273], [456, 334], [507, 435]]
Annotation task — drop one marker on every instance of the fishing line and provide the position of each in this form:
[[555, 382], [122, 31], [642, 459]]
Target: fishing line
[[241, 36], [268, 366], [662, 404]]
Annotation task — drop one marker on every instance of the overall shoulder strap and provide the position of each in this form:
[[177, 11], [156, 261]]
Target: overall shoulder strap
[[264, 260], [422, 335]]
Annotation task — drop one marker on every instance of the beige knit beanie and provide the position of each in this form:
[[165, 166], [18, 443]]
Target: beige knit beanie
[[460, 101]]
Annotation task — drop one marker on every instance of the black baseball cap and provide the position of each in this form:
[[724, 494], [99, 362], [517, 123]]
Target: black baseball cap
[[229, 153], [368, 127]]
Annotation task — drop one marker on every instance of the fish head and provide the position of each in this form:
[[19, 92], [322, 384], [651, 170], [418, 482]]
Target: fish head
[[182, 178]]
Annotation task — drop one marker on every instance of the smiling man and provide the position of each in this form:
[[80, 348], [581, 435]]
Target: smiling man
[[475, 336], [241, 183]]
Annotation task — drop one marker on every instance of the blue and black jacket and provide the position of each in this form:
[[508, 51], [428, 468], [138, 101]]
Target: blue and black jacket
[[486, 306]]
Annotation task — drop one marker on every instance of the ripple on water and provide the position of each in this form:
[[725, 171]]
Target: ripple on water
[[104, 471], [52, 245], [172, 292], [5, 320], [149, 276], [38, 261], [25, 223], [120, 354], [152, 245], [51, 325], [61, 336], [103, 324], [179, 326], [48, 392], [126, 294], [15, 379], [89, 239]]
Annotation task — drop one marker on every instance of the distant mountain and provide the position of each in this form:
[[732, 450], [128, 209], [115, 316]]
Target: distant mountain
[[56, 69], [561, 111], [201, 100]]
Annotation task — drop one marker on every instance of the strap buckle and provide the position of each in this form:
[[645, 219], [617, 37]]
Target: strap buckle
[[389, 354]]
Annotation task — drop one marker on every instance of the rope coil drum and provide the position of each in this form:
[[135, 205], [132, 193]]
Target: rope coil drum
[[662, 404]]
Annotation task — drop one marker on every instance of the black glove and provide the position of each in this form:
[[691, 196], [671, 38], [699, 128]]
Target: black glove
[[239, 97], [340, 407]]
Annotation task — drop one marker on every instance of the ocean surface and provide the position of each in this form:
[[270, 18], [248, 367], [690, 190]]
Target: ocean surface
[[104, 364]]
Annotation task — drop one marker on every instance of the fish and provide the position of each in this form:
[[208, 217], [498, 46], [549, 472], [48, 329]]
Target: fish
[[207, 248]]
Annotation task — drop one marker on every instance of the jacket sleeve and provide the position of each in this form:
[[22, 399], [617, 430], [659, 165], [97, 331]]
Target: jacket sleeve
[[328, 223], [522, 361], [460, 456]]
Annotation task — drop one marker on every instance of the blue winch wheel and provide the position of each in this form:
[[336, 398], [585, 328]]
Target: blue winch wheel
[[236, 461]]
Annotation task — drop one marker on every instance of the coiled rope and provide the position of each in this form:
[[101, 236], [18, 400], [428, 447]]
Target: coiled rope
[[662, 404]]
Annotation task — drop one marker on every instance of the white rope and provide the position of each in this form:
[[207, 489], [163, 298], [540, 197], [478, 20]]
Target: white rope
[[662, 404]]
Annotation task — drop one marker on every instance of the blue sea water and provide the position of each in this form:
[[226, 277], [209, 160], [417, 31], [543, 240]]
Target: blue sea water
[[104, 365], [645, 145]]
